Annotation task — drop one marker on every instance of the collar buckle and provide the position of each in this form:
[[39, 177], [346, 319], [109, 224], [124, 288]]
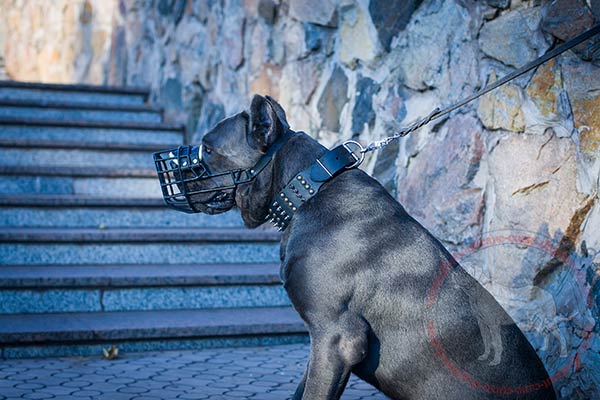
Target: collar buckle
[[360, 149]]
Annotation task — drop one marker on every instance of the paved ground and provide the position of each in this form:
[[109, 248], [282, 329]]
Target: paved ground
[[262, 373]]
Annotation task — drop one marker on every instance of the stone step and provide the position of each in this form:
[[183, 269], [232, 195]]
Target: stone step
[[70, 334], [90, 133], [36, 144], [144, 325], [135, 235], [68, 211], [87, 181], [79, 94], [27, 246], [103, 288], [77, 112], [30, 154], [136, 275]]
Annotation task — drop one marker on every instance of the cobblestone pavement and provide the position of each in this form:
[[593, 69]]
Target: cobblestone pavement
[[263, 373]]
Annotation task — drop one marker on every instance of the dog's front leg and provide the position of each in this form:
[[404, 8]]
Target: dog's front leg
[[327, 373], [332, 356]]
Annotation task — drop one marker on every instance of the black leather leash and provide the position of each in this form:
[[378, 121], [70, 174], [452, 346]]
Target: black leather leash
[[306, 184], [437, 113]]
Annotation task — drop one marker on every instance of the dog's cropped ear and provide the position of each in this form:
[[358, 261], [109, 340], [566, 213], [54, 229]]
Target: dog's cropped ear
[[280, 113], [267, 122]]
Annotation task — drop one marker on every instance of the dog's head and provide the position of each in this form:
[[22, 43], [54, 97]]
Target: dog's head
[[230, 150]]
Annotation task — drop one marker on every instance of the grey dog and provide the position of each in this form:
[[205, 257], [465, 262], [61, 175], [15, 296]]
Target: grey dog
[[380, 295]]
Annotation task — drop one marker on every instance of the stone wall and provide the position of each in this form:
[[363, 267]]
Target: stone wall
[[58, 41], [508, 183]]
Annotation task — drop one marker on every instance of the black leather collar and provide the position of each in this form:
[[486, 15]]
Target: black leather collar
[[306, 184]]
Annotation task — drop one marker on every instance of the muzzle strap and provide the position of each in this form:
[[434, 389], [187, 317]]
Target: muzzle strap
[[268, 156]]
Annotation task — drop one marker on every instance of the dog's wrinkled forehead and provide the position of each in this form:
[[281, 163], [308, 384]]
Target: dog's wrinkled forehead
[[226, 145]]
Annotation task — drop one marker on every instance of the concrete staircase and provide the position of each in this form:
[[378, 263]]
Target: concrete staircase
[[90, 256]]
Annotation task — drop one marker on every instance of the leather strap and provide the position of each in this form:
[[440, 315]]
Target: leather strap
[[331, 163], [306, 184], [268, 156]]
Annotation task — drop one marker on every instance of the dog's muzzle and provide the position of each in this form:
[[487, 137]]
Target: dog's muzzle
[[186, 181]]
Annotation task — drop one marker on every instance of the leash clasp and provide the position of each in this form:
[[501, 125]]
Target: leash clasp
[[359, 148]]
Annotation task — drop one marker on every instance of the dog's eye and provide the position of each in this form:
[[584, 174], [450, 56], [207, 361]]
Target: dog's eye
[[207, 150]]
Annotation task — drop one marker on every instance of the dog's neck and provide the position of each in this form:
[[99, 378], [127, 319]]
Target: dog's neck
[[254, 198], [295, 174], [297, 183], [299, 153]]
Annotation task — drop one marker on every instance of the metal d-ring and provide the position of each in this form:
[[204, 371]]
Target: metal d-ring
[[361, 150]]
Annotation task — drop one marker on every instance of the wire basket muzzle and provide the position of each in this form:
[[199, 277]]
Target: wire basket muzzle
[[180, 171]]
